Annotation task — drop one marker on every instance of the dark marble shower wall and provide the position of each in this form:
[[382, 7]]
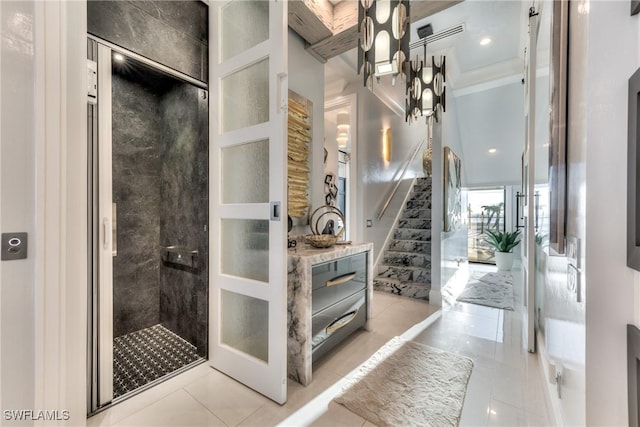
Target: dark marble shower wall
[[184, 210], [174, 33], [160, 187], [136, 133]]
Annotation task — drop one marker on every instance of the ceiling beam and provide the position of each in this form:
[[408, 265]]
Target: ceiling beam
[[332, 30], [311, 19]]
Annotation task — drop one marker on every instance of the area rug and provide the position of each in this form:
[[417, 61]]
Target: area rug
[[497, 295], [499, 277], [409, 384]]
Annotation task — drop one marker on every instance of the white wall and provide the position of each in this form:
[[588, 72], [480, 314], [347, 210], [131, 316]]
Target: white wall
[[453, 244], [17, 211], [377, 176], [306, 77], [492, 118], [613, 54]]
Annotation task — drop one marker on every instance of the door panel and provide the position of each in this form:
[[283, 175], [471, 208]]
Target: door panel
[[528, 185], [248, 165], [105, 224]]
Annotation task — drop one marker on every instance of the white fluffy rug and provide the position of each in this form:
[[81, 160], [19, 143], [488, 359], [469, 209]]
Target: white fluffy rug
[[409, 384], [489, 289], [499, 277]]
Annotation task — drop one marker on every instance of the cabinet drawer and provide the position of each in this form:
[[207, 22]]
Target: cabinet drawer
[[332, 325], [336, 280]]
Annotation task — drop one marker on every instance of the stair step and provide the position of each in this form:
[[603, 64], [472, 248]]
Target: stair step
[[422, 188], [412, 234], [422, 224], [405, 274], [418, 204], [414, 290], [416, 213], [420, 195], [406, 259], [414, 246]]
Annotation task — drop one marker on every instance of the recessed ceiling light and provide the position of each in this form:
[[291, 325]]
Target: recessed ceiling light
[[485, 41], [492, 150], [118, 57]]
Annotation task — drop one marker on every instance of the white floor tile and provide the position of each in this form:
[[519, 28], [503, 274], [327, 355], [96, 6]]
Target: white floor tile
[[338, 415], [229, 400], [177, 409], [502, 414], [504, 389]]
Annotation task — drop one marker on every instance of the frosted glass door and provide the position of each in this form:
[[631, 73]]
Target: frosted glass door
[[249, 281]]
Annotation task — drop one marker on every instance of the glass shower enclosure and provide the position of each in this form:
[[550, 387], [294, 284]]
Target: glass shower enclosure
[[149, 206]]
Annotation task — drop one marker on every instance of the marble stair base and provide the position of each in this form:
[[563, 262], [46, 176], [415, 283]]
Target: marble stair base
[[406, 264]]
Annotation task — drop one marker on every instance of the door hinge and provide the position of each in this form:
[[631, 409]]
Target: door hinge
[[92, 82]]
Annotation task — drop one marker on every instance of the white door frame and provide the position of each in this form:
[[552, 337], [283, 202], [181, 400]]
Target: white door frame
[[61, 216], [528, 264]]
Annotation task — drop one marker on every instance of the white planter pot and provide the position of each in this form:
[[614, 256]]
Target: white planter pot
[[504, 260]]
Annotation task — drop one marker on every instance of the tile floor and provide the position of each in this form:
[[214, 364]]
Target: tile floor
[[504, 390]]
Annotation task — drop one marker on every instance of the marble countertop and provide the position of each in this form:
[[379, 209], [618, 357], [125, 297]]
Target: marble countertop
[[316, 255]]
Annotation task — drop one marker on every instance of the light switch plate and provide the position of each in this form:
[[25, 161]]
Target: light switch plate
[[14, 246]]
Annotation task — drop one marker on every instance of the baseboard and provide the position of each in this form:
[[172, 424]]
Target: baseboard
[[553, 404], [435, 296]]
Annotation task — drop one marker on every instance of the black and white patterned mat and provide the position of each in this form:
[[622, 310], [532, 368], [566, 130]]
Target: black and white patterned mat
[[146, 355]]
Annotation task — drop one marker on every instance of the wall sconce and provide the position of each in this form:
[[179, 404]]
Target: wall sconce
[[425, 88], [384, 36], [342, 135], [386, 145]]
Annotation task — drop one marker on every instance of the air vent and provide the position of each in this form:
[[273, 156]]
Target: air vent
[[449, 32]]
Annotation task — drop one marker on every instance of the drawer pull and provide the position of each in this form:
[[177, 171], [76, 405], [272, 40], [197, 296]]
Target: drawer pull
[[341, 279], [341, 321]]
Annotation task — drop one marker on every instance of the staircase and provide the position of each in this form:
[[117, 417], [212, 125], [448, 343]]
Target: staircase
[[406, 265]]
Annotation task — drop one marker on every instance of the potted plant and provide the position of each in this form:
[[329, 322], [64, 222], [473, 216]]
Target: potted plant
[[503, 244]]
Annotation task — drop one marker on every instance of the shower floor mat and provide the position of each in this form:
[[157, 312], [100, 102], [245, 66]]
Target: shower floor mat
[[146, 355]]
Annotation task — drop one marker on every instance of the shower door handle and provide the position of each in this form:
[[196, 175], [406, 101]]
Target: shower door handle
[[283, 97], [105, 233]]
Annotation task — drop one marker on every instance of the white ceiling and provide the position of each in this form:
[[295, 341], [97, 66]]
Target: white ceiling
[[484, 81]]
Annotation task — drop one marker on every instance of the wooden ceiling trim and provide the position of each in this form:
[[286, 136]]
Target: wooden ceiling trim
[[311, 19]]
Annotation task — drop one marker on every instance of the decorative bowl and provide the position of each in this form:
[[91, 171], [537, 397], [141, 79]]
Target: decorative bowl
[[321, 240]]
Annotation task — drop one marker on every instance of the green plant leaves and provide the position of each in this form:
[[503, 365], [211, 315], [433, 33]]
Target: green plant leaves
[[503, 242]]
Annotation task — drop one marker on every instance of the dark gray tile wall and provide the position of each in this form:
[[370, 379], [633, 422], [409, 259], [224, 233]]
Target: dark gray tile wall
[[160, 186], [173, 33], [184, 212], [136, 192]]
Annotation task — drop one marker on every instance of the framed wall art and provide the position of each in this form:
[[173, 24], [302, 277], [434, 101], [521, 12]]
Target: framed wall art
[[452, 191]]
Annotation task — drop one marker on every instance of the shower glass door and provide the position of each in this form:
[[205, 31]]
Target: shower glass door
[[249, 277], [149, 141]]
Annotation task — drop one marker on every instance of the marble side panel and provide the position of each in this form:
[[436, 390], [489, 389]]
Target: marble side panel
[[299, 267], [184, 212], [173, 33], [136, 193]]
